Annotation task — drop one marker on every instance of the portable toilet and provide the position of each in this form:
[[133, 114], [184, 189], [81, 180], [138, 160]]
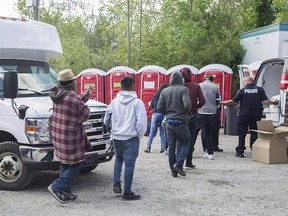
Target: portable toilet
[[222, 78], [112, 81], [147, 81], [91, 77], [178, 68]]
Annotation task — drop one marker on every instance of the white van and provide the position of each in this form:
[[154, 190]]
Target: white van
[[273, 78], [25, 106]]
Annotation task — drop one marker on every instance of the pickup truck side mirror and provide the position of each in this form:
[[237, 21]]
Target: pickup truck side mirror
[[10, 84]]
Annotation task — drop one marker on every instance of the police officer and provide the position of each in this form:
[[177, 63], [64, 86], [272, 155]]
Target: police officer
[[250, 98]]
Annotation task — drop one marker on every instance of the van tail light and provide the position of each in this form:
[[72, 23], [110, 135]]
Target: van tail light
[[284, 81]]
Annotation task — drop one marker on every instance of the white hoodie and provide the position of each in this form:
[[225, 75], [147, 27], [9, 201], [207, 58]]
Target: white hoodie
[[128, 116]]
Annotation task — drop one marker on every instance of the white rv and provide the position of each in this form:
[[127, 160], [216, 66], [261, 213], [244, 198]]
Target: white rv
[[25, 79]]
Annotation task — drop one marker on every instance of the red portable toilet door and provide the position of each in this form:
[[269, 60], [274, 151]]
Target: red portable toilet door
[[115, 85], [90, 79], [223, 84], [150, 83]]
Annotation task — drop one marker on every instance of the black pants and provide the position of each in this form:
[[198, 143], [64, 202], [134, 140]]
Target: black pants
[[208, 122], [247, 119], [215, 135]]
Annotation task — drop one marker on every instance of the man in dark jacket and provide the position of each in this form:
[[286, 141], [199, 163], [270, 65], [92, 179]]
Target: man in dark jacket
[[68, 135], [197, 101], [175, 103], [251, 98]]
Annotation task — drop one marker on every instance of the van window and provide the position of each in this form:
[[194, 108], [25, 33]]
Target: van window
[[34, 77]]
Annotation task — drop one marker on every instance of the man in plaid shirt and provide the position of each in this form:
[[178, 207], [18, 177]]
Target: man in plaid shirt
[[68, 135]]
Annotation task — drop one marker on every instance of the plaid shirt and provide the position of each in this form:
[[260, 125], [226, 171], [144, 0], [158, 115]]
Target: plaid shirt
[[68, 135]]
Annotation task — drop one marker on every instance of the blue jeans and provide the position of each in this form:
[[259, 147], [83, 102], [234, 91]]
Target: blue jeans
[[68, 173], [126, 151], [156, 121], [180, 133]]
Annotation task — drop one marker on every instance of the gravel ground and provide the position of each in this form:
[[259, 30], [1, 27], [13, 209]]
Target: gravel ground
[[224, 186]]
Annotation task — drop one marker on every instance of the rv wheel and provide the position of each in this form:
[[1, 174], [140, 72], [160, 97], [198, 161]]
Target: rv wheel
[[13, 173]]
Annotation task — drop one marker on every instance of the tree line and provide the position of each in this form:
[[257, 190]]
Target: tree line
[[137, 33]]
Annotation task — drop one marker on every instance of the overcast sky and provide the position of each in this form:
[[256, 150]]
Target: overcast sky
[[7, 8]]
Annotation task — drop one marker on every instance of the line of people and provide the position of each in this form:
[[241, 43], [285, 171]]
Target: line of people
[[203, 114], [187, 106]]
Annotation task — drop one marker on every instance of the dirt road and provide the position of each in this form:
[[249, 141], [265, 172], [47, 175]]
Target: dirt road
[[224, 186]]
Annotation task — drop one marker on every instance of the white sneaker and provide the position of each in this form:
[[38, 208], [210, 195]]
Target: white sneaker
[[208, 156], [205, 155]]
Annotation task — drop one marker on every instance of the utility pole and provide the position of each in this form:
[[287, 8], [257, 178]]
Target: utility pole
[[140, 32], [34, 4], [128, 35], [191, 4]]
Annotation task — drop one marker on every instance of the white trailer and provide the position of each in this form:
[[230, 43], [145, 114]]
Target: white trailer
[[266, 42]]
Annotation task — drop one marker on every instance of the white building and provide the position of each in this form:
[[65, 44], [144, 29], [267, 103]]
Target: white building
[[266, 42]]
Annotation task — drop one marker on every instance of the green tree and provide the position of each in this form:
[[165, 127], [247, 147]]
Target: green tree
[[281, 9], [265, 13], [198, 32]]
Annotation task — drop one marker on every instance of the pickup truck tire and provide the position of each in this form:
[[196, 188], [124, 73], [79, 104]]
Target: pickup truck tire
[[87, 169], [14, 175]]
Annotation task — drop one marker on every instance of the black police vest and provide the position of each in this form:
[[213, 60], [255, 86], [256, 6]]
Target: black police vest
[[251, 97]]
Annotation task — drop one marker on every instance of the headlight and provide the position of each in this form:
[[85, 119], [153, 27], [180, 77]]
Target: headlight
[[38, 131]]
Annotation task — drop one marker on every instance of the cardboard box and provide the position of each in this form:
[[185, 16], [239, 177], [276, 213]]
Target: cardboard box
[[271, 145]]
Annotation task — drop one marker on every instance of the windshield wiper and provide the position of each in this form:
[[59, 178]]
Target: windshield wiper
[[45, 90], [37, 92]]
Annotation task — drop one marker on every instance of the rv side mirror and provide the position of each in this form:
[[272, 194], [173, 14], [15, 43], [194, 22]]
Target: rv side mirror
[[10, 84]]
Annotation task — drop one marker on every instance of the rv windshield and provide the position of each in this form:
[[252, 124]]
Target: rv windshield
[[34, 77]]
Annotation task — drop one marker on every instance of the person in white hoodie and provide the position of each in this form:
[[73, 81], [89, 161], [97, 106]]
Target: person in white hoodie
[[126, 116]]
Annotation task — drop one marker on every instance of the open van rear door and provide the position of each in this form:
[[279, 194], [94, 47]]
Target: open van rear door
[[283, 95], [253, 68], [268, 77]]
